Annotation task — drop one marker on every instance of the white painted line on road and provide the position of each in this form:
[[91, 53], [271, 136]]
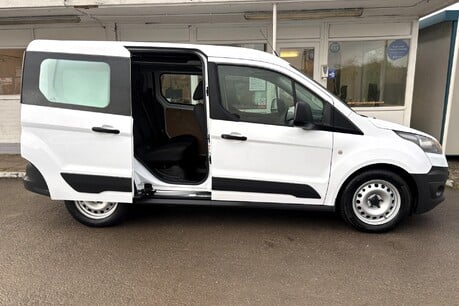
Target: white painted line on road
[[16, 174]]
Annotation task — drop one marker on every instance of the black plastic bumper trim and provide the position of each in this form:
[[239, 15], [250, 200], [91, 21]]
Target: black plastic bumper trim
[[430, 188], [215, 203], [34, 181], [97, 183], [297, 190]]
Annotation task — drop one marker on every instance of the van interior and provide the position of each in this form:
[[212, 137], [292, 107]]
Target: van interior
[[170, 132]]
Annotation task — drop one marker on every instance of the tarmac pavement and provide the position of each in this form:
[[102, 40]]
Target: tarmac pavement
[[222, 256], [12, 166]]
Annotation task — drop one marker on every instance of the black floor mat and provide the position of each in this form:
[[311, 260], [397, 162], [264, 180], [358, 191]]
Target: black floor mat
[[177, 174]]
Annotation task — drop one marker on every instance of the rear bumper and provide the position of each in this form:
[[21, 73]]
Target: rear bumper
[[431, 187], [34, 181]]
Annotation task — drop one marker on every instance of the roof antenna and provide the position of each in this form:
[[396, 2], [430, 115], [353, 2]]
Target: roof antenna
[[266, 38]]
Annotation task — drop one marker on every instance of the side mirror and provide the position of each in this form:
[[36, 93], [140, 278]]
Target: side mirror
[[303, 115]]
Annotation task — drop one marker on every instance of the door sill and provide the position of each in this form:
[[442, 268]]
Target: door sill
[[206, 201]]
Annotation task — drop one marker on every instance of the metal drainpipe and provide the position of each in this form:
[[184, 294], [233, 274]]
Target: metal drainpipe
[[274, 27]]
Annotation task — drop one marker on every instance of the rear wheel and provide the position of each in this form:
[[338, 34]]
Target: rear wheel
[[97, 214], [375, 201]]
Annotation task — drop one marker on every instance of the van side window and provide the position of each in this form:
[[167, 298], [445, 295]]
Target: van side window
[[84, 83], [316, 103], [255, 95], [179, 88]]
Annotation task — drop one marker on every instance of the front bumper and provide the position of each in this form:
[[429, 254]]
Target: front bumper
[[431, 187]]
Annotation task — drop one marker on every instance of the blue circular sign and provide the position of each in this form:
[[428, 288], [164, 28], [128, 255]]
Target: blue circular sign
[[334, 47], [397, 49]]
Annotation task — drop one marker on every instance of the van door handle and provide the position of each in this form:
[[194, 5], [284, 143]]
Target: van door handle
[[99, 129], [233, 137]]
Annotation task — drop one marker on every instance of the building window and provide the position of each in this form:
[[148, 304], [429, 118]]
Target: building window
[[368, 73], [10, 71], [300, 58], [256, 46]]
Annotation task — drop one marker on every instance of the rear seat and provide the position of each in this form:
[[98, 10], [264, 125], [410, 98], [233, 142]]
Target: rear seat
[[151, 144]]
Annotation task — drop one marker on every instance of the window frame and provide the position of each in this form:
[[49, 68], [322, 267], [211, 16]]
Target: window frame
[[120, 82]]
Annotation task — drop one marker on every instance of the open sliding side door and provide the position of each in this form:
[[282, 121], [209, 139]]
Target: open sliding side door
[[76, 119]]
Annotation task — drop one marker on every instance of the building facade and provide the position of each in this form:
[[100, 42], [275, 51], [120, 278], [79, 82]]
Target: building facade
[[363, 53], [436, 90]]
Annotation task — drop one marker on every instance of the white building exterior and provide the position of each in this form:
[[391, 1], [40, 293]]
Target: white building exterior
[[436, 86], [364, 51]]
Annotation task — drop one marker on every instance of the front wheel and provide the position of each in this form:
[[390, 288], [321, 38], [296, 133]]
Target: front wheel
[[97, 214], [375, 201]]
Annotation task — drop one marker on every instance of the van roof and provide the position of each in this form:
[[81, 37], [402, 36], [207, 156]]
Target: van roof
[[118, 48]]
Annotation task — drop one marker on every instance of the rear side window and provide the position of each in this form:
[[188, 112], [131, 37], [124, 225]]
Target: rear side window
[[84, 83], [180, 88]]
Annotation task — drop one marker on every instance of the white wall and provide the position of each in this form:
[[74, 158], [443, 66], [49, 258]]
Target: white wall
[[135, 32], [9, 120], [451, 134], [9, 105], [81, 33]]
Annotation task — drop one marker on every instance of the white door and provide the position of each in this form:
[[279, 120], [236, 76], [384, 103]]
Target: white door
[[257, 153], [76, 119]]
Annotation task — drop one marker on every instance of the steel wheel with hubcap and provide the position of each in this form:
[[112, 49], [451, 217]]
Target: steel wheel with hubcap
[[375, 201], [97, 214], [96, 210]]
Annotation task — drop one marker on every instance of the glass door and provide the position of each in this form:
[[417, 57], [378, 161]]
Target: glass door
[[302, 56]]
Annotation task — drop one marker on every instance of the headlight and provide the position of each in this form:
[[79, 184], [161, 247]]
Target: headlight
[[427, 144]]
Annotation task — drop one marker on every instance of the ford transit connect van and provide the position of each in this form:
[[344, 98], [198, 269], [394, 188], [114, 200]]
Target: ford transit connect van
[[105, 124]]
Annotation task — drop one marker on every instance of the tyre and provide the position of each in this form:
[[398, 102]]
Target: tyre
[[97, 214], [375, 201]]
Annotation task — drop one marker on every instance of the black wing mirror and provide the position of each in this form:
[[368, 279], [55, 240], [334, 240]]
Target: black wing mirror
[[303, 115]]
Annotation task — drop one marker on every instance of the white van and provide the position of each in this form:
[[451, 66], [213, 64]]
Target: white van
[[105, 124]]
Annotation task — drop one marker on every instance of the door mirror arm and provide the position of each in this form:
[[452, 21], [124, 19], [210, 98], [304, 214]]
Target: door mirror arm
[[319, 127], [310, 126]]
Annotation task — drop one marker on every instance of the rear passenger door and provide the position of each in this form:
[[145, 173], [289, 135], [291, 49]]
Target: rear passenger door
[[76, 119]]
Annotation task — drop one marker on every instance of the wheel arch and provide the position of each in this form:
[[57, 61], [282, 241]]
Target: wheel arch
[[386, 167]]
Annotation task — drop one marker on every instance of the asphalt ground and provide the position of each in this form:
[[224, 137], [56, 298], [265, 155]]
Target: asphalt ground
[[222, 256], [12, 163]]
